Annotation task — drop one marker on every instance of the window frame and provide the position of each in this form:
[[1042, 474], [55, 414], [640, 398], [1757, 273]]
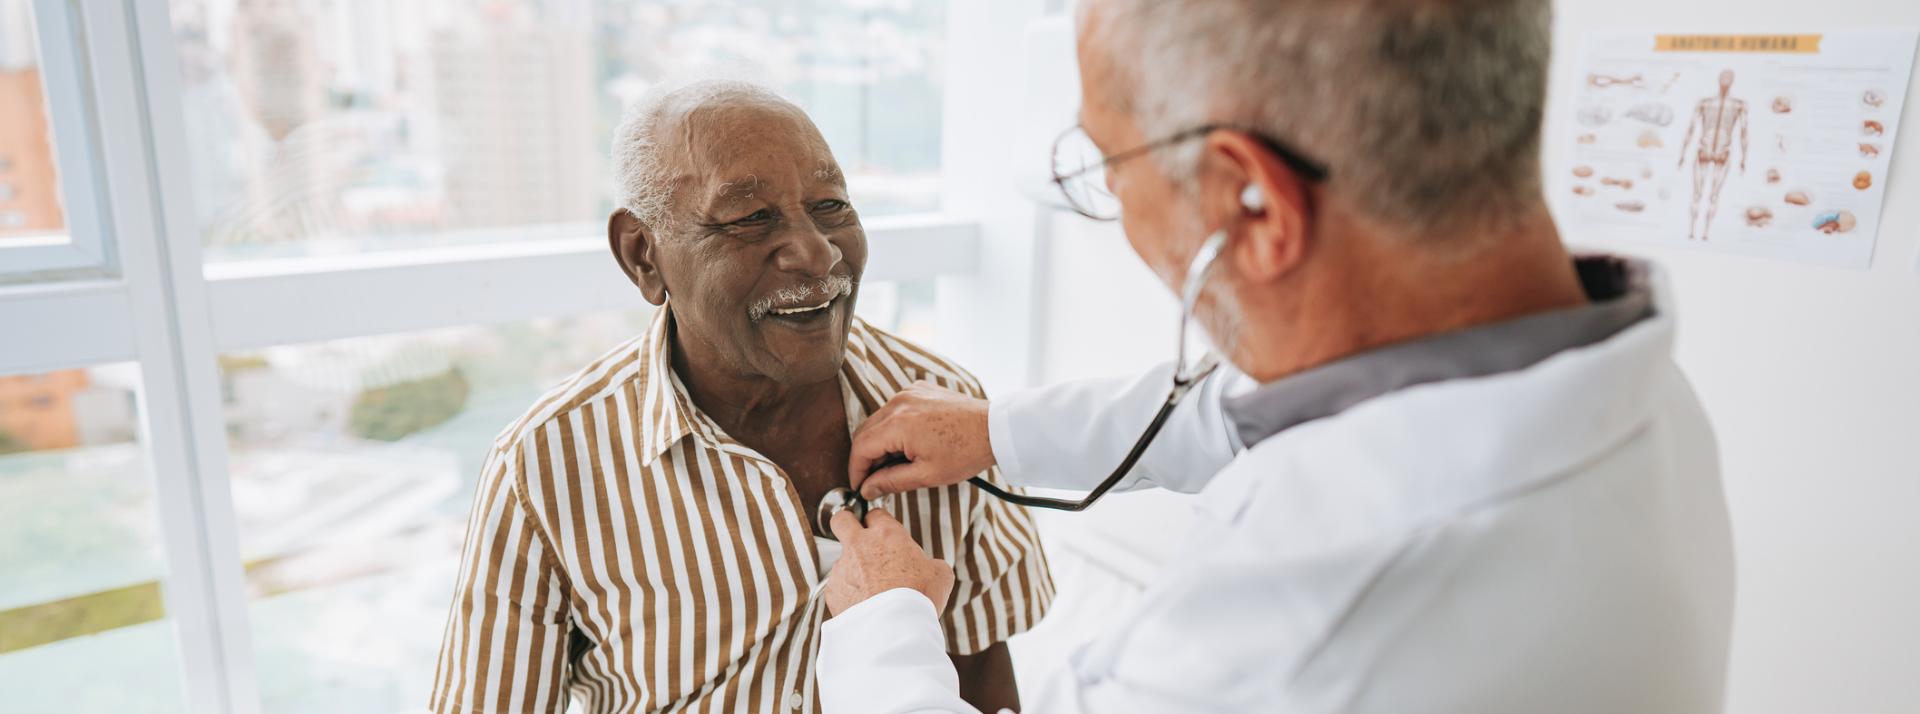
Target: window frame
[[84, 244], [133, 284]]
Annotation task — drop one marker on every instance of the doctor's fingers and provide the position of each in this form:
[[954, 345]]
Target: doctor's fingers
[[883, 524], [846, 527], [943, 433], [902, 478], [875, 440]]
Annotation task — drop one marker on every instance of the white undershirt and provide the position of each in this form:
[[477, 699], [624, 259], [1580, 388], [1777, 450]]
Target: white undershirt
[[829, 550]]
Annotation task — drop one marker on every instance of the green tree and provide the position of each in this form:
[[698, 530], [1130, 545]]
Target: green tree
[[392, 413]]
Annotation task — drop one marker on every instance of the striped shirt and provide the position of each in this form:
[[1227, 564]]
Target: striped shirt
[[626, 554]]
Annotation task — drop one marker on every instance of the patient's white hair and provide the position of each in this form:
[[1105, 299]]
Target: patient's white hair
[[642, 172]]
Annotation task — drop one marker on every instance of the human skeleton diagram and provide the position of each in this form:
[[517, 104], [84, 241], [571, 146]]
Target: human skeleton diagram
[[1715, 120]]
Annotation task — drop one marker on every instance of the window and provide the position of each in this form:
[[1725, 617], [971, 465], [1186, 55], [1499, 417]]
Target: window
[[342, 126], [81, 602], [44, 225], [354, 463]]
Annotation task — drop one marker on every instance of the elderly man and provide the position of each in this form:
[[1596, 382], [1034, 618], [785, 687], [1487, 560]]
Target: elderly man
[[643, 539], [1469, 476]]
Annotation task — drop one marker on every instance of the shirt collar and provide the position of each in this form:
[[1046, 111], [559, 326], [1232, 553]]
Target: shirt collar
[[1620, 294], [666, 412], [669, 415]]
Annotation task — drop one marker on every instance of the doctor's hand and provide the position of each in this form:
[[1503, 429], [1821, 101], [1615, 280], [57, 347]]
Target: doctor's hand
[[880, 556], [941, 432]]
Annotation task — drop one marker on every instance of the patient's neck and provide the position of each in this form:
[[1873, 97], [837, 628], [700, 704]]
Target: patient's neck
[[802, 428], [751, 405]]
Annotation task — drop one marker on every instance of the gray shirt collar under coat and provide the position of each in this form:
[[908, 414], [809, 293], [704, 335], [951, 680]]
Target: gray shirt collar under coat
[[1621, 296]]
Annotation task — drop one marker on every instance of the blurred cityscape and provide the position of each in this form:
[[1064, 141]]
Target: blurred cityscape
[[350, 125]]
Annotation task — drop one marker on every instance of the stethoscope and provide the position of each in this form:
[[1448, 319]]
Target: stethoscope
[[843, 498]]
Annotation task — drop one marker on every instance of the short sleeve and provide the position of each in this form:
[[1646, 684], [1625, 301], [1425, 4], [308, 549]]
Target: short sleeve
[[1002, 585], [505, 644]]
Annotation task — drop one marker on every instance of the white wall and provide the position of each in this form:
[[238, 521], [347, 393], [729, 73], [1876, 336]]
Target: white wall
[[1811, 375]]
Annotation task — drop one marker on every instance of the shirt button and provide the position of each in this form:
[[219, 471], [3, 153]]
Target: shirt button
[[794, 700]]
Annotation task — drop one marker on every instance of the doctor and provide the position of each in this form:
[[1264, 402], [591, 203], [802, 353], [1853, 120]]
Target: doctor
[[1450, 468]]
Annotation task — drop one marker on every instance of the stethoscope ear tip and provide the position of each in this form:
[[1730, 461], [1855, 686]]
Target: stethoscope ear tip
[[1252, 199]]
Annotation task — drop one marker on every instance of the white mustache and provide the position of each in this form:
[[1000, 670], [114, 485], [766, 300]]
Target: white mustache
[[828, 288]]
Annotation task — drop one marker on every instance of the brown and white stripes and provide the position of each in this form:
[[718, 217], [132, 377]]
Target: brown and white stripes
[[624, 553]]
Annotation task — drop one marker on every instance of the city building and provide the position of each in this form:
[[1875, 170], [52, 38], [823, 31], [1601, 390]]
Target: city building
[[37, 410], [516, 111]]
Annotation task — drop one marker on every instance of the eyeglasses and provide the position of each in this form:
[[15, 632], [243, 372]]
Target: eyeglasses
[[1080, 170]]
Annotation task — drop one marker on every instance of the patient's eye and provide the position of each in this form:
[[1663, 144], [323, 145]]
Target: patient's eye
[[832, 213], [756, 218], [750, 227]]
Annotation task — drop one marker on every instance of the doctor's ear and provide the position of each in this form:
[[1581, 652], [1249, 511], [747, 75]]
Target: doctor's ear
[[635, 248], [1268, 213]]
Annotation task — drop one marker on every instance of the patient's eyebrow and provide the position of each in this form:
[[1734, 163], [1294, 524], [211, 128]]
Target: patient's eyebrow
[[831, 174], [735, 191]]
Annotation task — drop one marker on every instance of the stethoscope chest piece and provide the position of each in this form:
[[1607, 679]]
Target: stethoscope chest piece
[[837, 500]]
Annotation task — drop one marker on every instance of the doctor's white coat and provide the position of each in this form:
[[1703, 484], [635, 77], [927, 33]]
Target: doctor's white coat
[[1548, 540]]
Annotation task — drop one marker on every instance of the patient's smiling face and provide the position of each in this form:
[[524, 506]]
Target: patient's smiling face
[[765, 250]]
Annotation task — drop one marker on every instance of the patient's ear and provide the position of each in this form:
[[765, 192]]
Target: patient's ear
[[633, 246]]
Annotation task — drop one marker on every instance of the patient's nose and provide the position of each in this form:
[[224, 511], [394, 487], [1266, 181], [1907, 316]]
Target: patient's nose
[[807, 251]]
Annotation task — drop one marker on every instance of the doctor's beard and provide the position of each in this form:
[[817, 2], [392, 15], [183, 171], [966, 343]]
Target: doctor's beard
[[1217, 314]]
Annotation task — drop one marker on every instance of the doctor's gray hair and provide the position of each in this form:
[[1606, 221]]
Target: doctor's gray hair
[[1428, 114], [642, 169]]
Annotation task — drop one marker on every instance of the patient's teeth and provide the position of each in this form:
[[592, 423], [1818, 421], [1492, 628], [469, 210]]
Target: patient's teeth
[[798, 310]]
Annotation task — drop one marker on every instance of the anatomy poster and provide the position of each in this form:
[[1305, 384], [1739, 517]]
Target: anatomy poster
[[1773, 145]]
